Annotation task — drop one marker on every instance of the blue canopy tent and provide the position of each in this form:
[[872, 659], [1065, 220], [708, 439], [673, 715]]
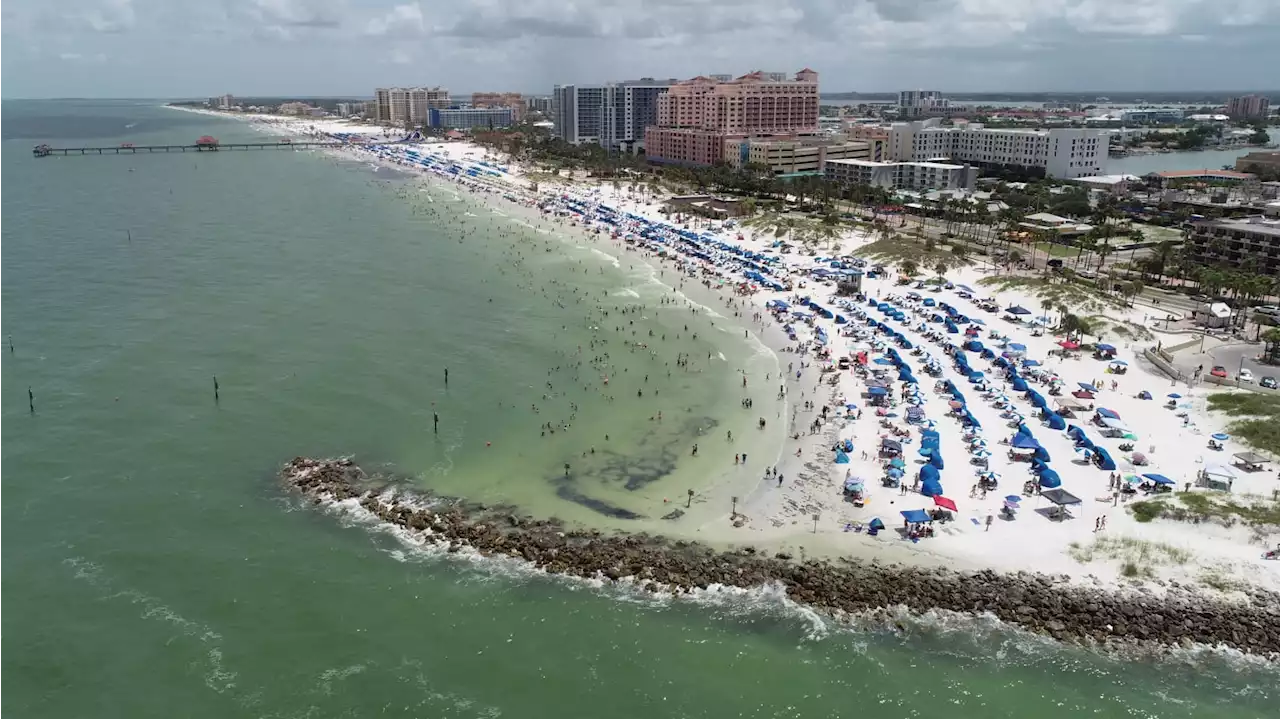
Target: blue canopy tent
[[1024, 441], [930, 481], [1019, 384], [877, 391], [951, 327], [1087, 387], [1049, 479], [875, 525], [841, 457], [935, 459], [1103, 459], [1105, 348], [929, 438], [1018, 310], [916, 516], [1056, 421], [1158, 478], [1037, 399], [1105, 413]]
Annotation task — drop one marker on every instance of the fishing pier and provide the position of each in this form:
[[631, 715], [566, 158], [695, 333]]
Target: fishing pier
[[204, 144]]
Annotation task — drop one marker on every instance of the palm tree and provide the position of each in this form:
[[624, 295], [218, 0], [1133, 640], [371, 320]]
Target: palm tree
[[1046, 304], [941, 269], [908, 267]]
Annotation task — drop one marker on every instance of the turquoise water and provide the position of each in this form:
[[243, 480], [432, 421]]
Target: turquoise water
[[152, 564]]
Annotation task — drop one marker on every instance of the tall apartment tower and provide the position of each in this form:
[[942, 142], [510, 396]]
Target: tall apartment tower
[[613, 115], [400, 105], [1248, 107]]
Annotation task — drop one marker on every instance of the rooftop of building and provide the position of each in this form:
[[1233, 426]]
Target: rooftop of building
[[1258, 223], [1107, 179], [1222, 174]]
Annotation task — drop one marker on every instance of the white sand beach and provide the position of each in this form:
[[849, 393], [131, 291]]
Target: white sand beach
[[780, 515]]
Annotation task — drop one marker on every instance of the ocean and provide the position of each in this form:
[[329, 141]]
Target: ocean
[[153, 565]]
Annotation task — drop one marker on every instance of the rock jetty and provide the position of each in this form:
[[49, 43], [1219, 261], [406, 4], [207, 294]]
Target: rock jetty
[[1044, 604]]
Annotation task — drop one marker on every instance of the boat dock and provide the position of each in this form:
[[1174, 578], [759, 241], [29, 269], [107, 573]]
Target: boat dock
[[204, 144]]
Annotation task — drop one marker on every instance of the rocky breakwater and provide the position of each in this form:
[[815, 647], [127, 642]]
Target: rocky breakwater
[[1044, 604]]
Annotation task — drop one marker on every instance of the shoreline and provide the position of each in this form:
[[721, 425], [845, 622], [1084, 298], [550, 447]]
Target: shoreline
[[1043, 604], [779, 518]]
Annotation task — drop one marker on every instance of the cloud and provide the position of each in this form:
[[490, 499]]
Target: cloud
[[529, 45], [400, 20]]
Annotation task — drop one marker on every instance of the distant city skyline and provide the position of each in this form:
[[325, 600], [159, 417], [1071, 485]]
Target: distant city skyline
[[177, 48]]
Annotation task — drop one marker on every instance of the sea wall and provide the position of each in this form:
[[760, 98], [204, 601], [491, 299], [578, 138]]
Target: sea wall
[[1044, 604]]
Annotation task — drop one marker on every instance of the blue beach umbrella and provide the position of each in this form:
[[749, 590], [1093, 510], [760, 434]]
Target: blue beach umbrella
[[1221, 437], [1174, 395]]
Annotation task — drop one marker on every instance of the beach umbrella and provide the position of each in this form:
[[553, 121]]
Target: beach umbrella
[[1087, 387], [1018, 310], [945, 503], [897, 463], [1174, 395], [1221, 437], [876, 524], [1013, 499], [982, 454], [1121, 363], [894, 473]]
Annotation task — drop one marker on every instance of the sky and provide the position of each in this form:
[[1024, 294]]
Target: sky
[[184, 48]]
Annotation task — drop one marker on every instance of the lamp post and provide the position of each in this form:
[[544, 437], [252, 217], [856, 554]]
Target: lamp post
[[689, 502], [734, 515]]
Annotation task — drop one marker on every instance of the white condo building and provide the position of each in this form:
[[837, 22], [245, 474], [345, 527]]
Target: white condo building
[[1063, 153], [612, 115]]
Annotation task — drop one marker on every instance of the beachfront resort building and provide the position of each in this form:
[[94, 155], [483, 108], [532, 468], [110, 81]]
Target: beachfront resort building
[[613, 115], [466, 118], [407, 105], [696, 118], [1247, 243], [792, 154], [1063, 153], [1248, 107], [510, 100], [902, 175]]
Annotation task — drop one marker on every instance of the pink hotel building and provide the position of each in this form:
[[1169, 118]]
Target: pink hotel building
[[696, 117]]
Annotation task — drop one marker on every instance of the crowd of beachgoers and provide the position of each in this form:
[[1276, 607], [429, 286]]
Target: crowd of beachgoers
[[930, 421]]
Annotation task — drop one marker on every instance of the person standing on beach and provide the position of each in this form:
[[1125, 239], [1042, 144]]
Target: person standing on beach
[[990, 519]]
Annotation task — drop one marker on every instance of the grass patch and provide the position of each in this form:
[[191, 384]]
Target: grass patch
[[1258, 417], [1148, 510], [1226, 509], [1074, 295], [1217, 580], [1056, 250], [1128, 549], [901, 248]]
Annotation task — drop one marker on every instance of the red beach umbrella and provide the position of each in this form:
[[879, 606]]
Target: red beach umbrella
[[945, 503]]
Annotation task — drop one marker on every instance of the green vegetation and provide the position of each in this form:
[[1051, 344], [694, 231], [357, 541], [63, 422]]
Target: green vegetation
[[1258, 416], [901, 250], [1228, 509], [1060, 290], [1137, 556], [1057, 250]]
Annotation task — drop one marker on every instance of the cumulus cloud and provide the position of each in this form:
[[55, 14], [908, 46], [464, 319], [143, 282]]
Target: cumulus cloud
[[531, 44]]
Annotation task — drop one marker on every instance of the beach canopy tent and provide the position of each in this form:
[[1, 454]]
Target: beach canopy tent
[[891, 445], [1114, 423], [876, 524], [1049, 479], [1105, 413], [944, 502], [1103, 459], [935, 459], [842, 457], [916, 516], [1024, 441], [1019, 384], [1105, 348], [1158, 478], [1087, 387], [1216, 475], [1060, 497], [1250, 460], [1018, 310], [877, 391], [1068, 404], [1056, 421]]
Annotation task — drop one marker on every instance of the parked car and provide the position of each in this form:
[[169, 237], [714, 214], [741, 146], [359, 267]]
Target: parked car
[[1268, 382], [1246, 375], [1271, 310], [1219, 371]]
